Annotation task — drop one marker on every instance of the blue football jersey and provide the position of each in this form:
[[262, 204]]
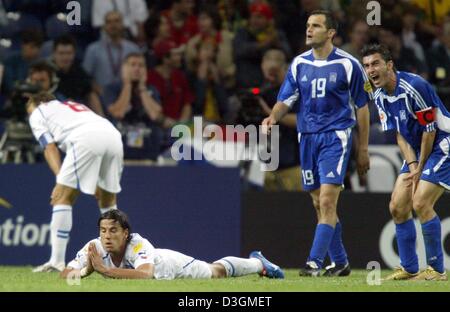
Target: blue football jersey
[[326, 91], [401, 111]]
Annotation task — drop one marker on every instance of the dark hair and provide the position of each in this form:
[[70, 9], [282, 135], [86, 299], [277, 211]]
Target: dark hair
[[40, 66], [377, 48], [330, 21], [64, 40], [32, 36], [41, 97], [119, 217], [133, 54], [213, 15]]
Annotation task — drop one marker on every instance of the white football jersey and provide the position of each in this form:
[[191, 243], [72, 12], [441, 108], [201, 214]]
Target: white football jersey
[[139, 251], [57, 122]]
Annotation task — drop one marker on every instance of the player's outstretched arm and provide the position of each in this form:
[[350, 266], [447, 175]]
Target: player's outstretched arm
[[363, 120], [53, 157]]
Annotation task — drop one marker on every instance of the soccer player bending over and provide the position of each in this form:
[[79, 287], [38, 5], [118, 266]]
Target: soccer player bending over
[[93, 163], [329, 85], [118, 253], [408, 104]]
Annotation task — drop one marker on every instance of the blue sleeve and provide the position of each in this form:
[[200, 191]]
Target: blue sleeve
[[289, 93], [360, 88], [423, 97]]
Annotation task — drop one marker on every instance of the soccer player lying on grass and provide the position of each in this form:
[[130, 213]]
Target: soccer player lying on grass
[[118, 253]]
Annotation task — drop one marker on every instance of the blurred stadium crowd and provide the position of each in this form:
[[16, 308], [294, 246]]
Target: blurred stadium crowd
[[148, 65]]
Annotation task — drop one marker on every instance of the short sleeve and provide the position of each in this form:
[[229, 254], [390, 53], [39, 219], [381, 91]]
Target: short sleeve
[[142, 253], [360, 87], [40, 129], [289, 93], [423, 100]]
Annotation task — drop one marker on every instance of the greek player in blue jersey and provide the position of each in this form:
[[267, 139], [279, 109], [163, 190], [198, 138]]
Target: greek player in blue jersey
[[328, 85], [408, 104]]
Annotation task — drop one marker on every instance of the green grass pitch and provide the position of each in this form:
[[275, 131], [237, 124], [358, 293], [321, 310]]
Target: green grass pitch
[[22, 279]]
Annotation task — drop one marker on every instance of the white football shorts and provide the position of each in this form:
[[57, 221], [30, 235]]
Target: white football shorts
[[170, 264], [93, 158]]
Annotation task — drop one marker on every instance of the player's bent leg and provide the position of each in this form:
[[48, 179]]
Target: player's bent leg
[[424, 199], [106, 200], [400, 205], [400, 208], [63, 197]]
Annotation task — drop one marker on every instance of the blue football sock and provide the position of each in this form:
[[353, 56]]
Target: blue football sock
[[336, 250], [431, 231], [406, 242], [322, 239]]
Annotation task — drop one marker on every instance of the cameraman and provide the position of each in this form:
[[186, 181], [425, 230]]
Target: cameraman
[[287, 176]]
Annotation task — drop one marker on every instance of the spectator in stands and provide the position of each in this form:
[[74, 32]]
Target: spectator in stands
[[439, 62], [434, 13], [210, 32], [409, 33], [234, 14], [404, 58], [359, 36], [209, 60], [172, 85], [182, 21], [134, 14], [134, 108], [74, 83], [157, 29], [251, 42], [17, 65], [103, 58]]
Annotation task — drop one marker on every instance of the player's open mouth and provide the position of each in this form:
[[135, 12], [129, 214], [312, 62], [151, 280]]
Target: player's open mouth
[[375, 78]]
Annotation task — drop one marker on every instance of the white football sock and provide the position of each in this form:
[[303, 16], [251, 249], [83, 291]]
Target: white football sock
[[60, 227], [240, 266], [103, 210]]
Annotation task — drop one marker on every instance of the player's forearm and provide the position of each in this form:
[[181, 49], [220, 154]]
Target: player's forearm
[[426, 147], [279, 111], [53, 158], [407, 151], [363, 120], [125, 273], [290, 120]]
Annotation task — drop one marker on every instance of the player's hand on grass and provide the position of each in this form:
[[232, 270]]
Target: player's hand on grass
[[362, 162], [95, 259], [267, 124]]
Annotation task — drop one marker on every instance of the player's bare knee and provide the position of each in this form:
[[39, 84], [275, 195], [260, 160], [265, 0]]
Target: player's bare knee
[[421, 206], [106, 199]]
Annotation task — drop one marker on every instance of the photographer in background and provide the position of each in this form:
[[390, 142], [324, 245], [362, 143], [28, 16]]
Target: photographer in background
[[256, 105], [18, 140], [17, 65]]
